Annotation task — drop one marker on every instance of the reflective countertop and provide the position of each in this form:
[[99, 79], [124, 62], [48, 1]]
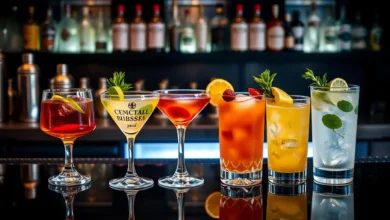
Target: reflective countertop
[[25, 193]]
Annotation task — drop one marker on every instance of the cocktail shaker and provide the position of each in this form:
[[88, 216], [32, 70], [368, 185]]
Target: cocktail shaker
[[84, 83], [28, 89], [2, 87], [63, 80]]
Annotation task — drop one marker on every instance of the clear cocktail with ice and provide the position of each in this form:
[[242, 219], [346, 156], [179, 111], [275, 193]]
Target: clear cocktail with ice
[[334, 124], [241, 137], [287, 139]]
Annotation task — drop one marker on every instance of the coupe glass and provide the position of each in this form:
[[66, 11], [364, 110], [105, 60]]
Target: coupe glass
[[67, 114], [130, 115], [181, 106]]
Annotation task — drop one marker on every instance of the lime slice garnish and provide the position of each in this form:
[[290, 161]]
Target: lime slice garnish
[[117, 91], [338, 84], [69, 101]]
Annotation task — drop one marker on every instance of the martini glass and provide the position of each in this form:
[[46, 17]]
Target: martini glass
[[130, 115], [67, 114], [181, 106]]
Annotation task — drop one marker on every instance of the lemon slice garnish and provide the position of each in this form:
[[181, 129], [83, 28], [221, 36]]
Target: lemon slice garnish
[[69, 101], [116, 90]]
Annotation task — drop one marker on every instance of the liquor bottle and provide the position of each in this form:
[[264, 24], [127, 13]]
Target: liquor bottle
[[298, 29], [87, 33], [139, 85], [12, 33], [100, 110], [202, 32], [328, 33], [12, 100], [358, 34], [257, 31], [67, 37], [174, 29], [275, 31], [31, 35], [101, 38], [84, 83], [239, 31], [344, 32], [376, 34], [288, 34], [311, 40], [138, 31], [187, 37], [156, 31], [220, 36], [48, 32], [120, 32]]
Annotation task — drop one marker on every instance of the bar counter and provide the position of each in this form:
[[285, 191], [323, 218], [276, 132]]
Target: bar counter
[[25, 193]]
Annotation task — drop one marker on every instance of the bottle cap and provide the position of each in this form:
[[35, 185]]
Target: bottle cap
[[138, 8], [62, 68], [28, 58], [257, 7], [239, 7], [121, 8], [156, 8]]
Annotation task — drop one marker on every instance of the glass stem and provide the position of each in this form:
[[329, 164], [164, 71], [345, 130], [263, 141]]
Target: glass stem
[[181, 170], [69, 166], [130, 167], [69, 206], [131, 198], [180, 203]]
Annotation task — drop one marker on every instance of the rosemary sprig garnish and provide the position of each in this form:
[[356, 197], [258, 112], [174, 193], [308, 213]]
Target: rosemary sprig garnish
[[118, 80], [317, 80]]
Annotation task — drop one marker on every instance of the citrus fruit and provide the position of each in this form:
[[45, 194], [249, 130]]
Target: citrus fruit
[[116, 90], [69, 101], [212, 204], [216, 88], [281, 97], [338, 84]]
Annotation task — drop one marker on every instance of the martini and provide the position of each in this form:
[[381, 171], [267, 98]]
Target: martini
[[130, 114]]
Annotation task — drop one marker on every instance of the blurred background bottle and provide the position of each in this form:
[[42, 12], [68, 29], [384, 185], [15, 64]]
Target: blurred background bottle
[[63, 80], [220, 35], [99, 108], [48, 32], [31, 33], [67, 38]]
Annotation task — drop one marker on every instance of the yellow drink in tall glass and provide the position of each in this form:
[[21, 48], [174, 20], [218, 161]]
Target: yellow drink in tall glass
[[288, 136], [130, 115]]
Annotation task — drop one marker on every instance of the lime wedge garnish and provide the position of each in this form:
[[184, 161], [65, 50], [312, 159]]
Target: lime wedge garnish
[[338, 84], [117, 91], [69, 101]]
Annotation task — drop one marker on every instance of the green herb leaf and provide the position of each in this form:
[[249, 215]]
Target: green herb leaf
[[332, 122], [345, 106], [317, 80], [265, 81], [356, 109], [118, 79]]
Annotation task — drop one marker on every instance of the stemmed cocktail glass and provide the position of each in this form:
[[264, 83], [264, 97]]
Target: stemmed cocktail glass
[[181, 106], [130, 113], [67, 114]]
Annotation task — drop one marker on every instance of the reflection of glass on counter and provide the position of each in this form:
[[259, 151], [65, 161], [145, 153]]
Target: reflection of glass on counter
[[29, 175], [332, 202], [131, 194], [69, 193], [241, 203], [2, 172], [287, 202]]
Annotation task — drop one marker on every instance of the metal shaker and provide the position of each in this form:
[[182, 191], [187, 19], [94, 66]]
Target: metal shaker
[[2, 87], [63, 80], [28, 89]]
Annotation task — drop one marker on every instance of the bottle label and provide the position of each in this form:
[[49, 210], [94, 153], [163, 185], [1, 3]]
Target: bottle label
[[187, 36], [359, 35], [31, 37], [201, 36], [345, 37], [375, 39], [138, 37], [275, 38], [156, 35], [298, 37], [87, 39], [257, 36], [239, 36], [314, 23], [48, 36], [101, 45], [330, 36], [120, 35]]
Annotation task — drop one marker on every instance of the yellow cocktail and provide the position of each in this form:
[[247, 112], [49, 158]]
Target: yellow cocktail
[[287, 138]]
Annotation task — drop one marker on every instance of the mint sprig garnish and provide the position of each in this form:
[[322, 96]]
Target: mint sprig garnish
[[317, 80], [265, 80], [118, 79]]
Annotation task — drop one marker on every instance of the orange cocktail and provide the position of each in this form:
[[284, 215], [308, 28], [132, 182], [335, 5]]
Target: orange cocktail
[[241, 137]]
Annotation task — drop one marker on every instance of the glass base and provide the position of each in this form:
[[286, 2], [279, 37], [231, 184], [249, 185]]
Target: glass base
[[241, 179], [129, 183], [180, 182], [69, 178], [286, 178], [342, 177]]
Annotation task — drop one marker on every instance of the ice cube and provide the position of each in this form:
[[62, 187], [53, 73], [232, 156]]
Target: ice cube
[[334, 157], [242, 98], [76, 98], [275, 130], [65, 110], [338, 203], [289, 143], [240, 135]]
